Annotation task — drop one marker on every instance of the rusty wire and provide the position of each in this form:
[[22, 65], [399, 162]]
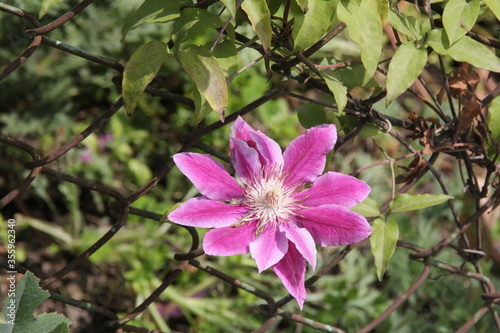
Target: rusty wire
[[122, 203]]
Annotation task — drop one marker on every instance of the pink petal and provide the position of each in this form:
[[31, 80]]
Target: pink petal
[[292, 271], [333, 225], [229, 241], [245, 160], [335, 188], [268, 248], [206, 213], [305, 157], [241, 130], [303, 241], [209, 176], [268, 149]]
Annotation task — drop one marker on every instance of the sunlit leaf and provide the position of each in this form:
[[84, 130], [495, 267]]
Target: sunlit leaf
[[140, 70], [260, 18], [458, 17], [338, 89], [464, 50], [405, 67], [231, 6], [365, 28], [407, 25], [314, 23], [408, 202], [28, 296], [383, 243], [382, 8], [367, 208], [494, 5], [207, 75]]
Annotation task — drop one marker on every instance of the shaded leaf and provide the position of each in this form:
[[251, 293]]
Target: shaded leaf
[[367, 208], [140, 70], [311, 114], [464, 50], [458, 18], [383, 243], [46, 5], [194, 23], [365, 28], [153, 11], [314, 23], [231, 6], [493, 119], [408, 202], [405, 67], [28, 297], [260, 18], [207, 75]]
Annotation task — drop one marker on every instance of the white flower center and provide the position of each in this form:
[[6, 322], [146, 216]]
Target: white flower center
[[270, 200]]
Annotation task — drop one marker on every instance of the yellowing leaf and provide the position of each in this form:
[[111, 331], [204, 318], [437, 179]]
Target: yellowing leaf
[[207, 75]]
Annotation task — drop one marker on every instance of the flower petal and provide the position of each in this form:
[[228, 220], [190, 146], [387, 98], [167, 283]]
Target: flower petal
[[206, 213], [335, 188], [268, 149], [333, 225], [229, 241], [209, 176], [268, 248], [245, 160], [241, 130], [305, 157], [303, 241], [292, 271]]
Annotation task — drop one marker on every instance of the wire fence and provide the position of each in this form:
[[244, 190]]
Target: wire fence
[[480, 176]]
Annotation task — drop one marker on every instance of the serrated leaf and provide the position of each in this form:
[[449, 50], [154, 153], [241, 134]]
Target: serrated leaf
[[405, 67], [493, 119], [46, 5], [494, 5], [383, 242], [194, 23], [140, 70], [367, 208], [28, 297], [365, 28], [153, 11], [407, 25], [314, 23], [408, 202], [311, 114], [459, 17], [207, 74], [260, 18], [338, 89], [464, 50]]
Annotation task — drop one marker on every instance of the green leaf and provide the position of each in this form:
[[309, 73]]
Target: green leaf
[[260, 18], [493, 119], [20, 307], [382, 8], [207, 75], [338, 89], [494, 5], [314, 23], [464, 50], [405, 67], [303, 4], [383, 243], [46, 5], [153, 11], [365, 28], [311, 114], [194, 23], [459, 17], [367, 208], [231, 6], [140, 70], [408, 202], [407, 25]]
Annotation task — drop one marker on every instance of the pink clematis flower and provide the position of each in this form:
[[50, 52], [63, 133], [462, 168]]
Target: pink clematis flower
[[273, 213]]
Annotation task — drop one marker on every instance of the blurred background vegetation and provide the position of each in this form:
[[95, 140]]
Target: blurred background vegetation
[[55, 95]]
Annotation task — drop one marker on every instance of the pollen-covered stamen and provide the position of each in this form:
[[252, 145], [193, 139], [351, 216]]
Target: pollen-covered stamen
[[269, 199]]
